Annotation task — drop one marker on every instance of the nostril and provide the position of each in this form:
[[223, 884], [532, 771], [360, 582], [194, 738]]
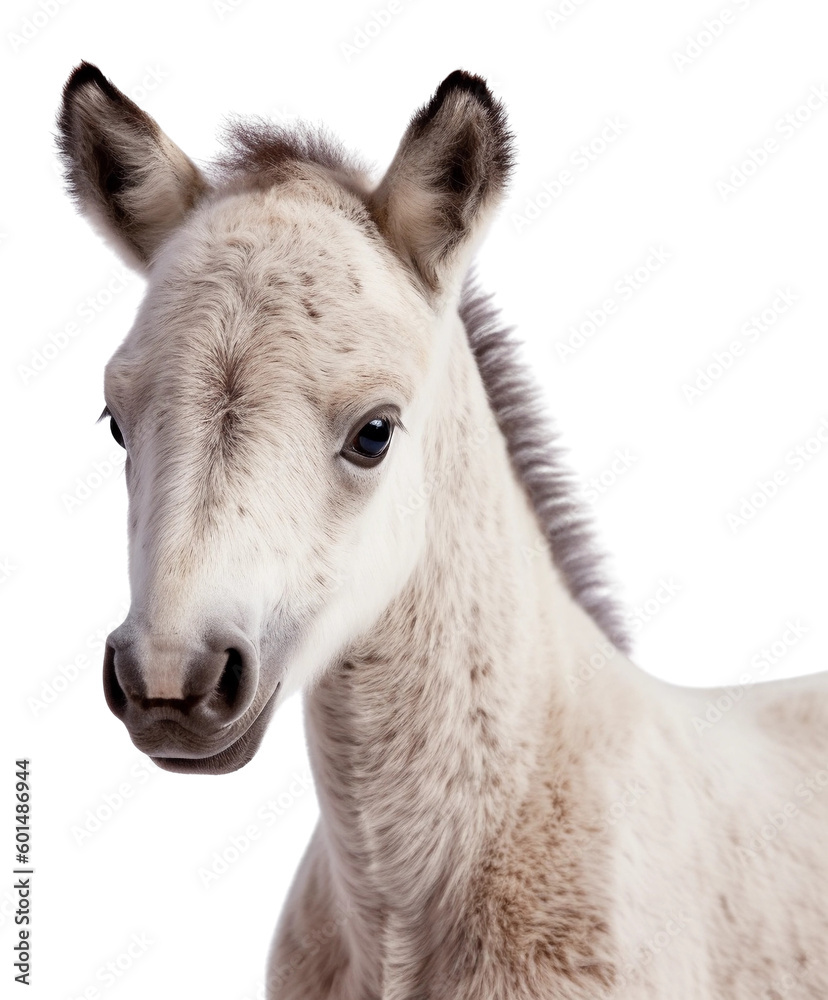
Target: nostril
[[233, 692], [115, 695], [153, 682], [229, 684]]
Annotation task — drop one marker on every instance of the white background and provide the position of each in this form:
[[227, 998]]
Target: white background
[[666, 517]]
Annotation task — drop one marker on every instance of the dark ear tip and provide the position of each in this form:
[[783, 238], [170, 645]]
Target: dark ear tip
[[88, 73], [81, 75], [462, 82], [470, 82]]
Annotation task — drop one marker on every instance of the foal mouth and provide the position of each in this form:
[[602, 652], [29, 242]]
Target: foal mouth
[[233, 757]]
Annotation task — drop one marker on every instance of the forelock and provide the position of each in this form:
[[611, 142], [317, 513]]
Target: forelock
[[259, 152]]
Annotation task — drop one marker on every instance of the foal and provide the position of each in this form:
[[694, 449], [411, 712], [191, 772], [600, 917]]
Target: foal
[[339, 481]]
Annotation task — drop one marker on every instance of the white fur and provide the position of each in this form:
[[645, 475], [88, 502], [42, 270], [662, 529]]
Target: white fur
[[493, 826]]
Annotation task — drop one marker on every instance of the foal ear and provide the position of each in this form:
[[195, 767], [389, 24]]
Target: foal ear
[[132, 182], [446, 179]]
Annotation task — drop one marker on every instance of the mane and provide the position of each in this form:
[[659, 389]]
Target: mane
[[537, 459]]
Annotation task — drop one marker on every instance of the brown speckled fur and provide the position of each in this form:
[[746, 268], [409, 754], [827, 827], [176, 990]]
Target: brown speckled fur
[[500, 817]]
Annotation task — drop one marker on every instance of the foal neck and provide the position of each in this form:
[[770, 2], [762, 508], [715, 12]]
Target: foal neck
[[435, 728]]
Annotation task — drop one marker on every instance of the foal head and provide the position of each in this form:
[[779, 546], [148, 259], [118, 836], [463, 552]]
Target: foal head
[[273, 394]]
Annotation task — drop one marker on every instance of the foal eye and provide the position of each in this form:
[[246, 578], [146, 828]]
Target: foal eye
[[368, 445], [116, 432]]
